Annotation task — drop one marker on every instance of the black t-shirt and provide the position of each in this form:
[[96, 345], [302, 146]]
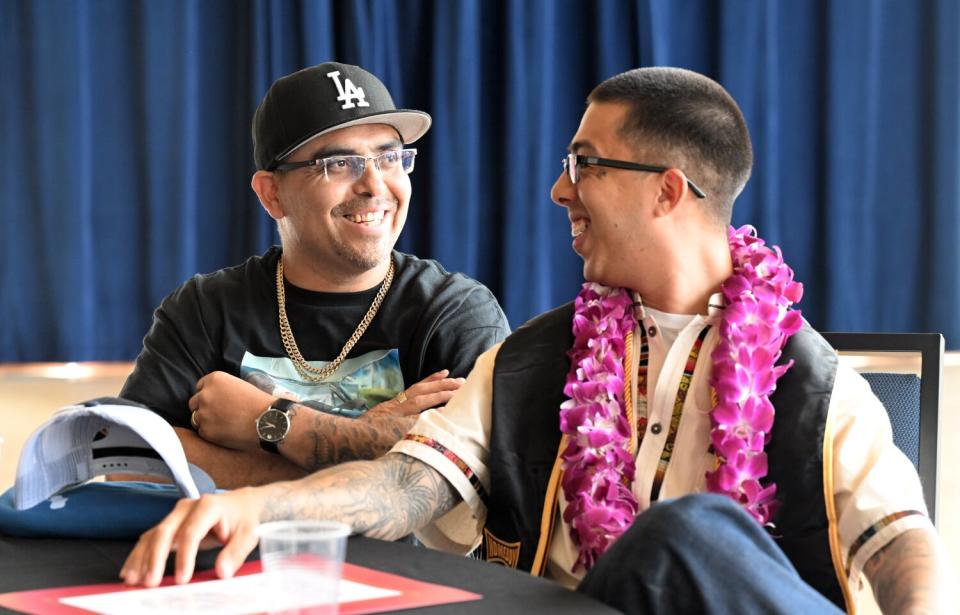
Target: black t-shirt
[[429, 320]]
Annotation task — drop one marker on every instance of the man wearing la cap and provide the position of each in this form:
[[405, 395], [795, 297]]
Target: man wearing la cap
[[335, 321]]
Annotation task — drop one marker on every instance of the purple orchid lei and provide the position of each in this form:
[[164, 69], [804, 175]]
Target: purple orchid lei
[[598, 466]]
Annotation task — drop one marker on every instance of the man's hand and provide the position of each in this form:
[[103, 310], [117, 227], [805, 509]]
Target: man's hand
[[386, 499], [433, 391], [225, 410], [331, 440], [229, 519]]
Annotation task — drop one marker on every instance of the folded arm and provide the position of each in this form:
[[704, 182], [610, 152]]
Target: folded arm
[[912, 574], [322, 440], [230, 468], [225, 410]]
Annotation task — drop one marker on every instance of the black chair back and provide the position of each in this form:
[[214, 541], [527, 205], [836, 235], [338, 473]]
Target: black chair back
[[912, 402]]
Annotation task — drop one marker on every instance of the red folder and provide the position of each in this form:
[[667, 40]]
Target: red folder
[[412, 594]]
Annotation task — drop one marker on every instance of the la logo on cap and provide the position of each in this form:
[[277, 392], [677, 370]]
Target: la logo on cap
[[348, 92]]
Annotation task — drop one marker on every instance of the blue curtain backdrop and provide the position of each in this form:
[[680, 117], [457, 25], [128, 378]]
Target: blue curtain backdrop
[[125, 152]]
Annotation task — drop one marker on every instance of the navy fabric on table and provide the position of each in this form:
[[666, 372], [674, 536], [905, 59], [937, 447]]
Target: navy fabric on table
[[115, 510]]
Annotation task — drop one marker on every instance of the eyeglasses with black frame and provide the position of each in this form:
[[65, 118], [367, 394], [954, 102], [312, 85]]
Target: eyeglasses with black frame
[[352, 168], [573, 162]]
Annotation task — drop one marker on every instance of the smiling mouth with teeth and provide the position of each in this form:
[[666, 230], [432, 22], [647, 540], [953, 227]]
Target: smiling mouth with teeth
[[578, 226], [371, 217]]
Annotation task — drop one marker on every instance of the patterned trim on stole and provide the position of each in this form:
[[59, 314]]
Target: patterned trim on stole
[[685, 380], [451, 456], [500, 551], [876, 527]]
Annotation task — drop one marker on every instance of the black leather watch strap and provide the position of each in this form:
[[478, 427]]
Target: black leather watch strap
[[283, 405]]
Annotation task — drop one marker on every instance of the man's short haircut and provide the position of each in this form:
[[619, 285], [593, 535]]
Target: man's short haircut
[[691, 120]]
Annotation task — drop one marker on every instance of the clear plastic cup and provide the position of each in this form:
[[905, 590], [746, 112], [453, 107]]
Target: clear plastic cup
[[303, 561]]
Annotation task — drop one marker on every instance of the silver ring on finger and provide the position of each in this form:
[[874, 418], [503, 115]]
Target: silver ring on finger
[[193, 420]]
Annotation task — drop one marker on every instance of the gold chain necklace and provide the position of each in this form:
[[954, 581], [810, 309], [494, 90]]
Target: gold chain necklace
[[306, 370]]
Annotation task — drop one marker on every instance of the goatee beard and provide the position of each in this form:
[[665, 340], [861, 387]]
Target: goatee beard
[[363, 260]]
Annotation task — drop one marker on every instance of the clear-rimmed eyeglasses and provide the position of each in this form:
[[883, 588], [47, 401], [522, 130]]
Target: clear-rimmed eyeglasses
[[573, 162], [351, 168]]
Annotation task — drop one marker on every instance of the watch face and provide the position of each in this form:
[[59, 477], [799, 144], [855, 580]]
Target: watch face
[[273, 425]]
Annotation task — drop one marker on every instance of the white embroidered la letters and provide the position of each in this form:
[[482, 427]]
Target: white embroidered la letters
[[348, 92]]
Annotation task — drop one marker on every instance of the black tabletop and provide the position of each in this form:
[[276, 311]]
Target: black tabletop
[[40, 563]]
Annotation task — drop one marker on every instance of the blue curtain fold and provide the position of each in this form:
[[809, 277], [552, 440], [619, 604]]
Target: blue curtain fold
[[125, 147]]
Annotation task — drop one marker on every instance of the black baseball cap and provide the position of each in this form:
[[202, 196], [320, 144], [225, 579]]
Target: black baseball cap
[[321, 99]]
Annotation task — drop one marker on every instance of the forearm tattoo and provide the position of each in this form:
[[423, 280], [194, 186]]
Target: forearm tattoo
[[337, 439], [387, 498], [906, 574]]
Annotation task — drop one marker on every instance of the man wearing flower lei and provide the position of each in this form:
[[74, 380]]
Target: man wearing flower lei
[[676, 440]]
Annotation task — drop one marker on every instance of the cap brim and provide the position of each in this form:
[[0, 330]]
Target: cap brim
[[409, 123]]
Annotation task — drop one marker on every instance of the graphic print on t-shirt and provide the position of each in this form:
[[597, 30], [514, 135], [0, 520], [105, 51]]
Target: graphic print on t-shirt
[[358, 385]]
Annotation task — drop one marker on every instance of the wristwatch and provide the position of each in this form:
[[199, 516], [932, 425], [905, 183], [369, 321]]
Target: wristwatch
[[274, 424]]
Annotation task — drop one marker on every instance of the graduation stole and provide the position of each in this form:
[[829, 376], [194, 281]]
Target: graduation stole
[[599, 467]]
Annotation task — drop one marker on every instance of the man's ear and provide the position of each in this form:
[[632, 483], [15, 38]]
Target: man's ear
[[673, 189], [266, 185]]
